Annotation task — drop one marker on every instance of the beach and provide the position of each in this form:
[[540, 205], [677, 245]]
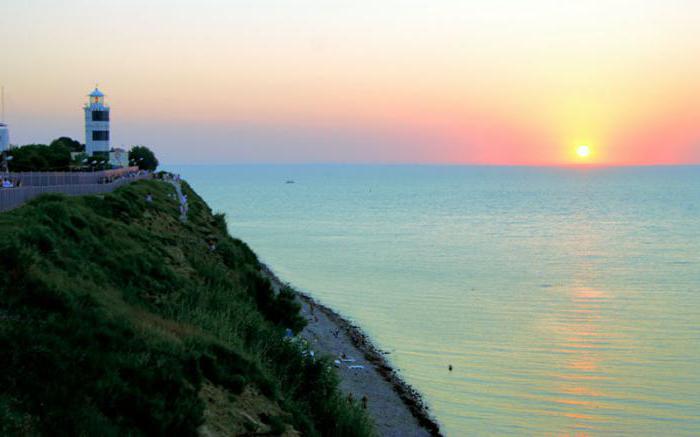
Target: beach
[[396, 408]]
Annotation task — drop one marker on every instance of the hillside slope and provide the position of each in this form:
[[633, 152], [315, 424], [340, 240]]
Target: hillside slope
[[116, 318]]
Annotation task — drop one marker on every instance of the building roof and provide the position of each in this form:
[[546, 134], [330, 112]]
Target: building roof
[[96, 93]]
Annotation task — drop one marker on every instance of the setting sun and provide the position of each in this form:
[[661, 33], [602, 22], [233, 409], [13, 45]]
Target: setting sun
[[583, 151]]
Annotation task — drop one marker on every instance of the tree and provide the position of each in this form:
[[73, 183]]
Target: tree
[[143, 157], [40, 157], [72, 144]]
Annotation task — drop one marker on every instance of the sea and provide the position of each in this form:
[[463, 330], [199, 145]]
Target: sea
[[566, 300]]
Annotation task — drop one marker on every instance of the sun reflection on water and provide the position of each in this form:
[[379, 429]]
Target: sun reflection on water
[[580, 334]]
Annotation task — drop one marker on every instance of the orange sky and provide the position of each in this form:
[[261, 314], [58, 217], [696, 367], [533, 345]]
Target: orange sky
[[485, 81]]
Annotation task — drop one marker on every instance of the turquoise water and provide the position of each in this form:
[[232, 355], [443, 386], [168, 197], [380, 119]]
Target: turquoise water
[[567, 300]]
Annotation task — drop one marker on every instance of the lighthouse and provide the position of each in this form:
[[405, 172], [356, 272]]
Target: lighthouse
[[96, 123]]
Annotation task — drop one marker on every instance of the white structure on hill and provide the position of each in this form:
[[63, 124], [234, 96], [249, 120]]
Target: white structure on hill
[[4, 129], [96, 124], [119, 157], [4, 137]]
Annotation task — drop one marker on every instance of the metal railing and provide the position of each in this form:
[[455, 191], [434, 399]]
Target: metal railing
[[53, 178], [72, 184]]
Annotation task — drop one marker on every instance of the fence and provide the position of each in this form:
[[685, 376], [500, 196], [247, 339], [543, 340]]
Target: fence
[[45, 179], [13, 197]]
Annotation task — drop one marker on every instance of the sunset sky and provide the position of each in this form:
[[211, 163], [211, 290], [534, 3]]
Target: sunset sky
[[451, 81]]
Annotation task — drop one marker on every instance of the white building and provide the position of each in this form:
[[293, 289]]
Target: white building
[[4, 129], [119, 157], [96, 124], [4, 137]]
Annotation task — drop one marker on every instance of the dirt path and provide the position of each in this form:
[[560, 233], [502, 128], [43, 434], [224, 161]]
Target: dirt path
[[181, 199], [397, 409]]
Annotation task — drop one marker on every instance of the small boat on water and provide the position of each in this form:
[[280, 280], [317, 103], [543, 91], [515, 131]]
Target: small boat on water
[[289, 181]]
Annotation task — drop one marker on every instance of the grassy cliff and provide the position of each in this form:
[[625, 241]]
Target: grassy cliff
[[117, 319]]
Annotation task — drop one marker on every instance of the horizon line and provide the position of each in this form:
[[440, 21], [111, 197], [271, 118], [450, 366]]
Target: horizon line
[[433, 164]]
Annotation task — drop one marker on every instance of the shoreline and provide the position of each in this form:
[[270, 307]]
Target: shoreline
[[411, 401]]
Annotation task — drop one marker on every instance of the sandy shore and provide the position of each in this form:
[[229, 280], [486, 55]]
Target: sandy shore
[[397, 409]]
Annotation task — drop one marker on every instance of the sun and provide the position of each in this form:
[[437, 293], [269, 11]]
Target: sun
[[583, 151]]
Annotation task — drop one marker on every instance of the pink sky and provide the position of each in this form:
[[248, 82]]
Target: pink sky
[[485, 81]]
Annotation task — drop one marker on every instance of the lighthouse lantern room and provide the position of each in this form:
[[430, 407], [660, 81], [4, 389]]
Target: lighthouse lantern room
[[96, 123]]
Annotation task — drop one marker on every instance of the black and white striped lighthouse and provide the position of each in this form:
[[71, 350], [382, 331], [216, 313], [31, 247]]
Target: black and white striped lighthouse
[[96, 123]]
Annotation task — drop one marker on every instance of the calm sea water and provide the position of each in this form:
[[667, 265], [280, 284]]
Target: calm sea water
[[567, 300]]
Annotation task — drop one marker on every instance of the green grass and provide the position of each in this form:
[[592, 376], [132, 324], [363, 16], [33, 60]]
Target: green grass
[[113, 313]]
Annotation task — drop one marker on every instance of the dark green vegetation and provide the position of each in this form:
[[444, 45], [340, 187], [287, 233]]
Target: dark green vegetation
[[57, 157], [73, 145], [118, 319], [143, 157], [40, 157]]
